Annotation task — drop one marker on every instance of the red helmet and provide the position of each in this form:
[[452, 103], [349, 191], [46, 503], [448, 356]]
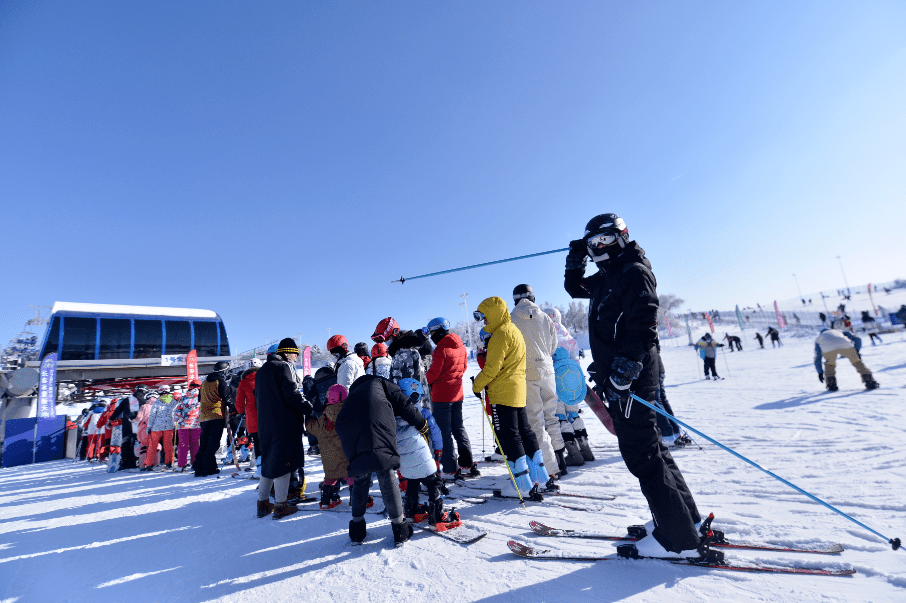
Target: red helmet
[[378, 350], [337, 341], [385, 330]]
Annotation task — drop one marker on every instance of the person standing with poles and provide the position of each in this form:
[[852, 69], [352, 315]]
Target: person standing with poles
[[707, 349], [622, 328], [504, 377]]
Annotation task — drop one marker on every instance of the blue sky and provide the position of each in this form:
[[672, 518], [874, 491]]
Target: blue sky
[[281, 163]]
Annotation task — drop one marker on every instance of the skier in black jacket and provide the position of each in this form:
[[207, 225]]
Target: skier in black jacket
[[622, 331], [367, 429]]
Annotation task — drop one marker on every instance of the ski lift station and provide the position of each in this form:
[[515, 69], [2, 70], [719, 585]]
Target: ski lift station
[[111, 348]]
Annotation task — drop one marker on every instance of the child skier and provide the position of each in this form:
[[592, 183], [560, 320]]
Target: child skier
[[332, 458], [707, 350], [418, 465]]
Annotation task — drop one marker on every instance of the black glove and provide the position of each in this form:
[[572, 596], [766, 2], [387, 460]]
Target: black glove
[[616, 388], [307, 408], [821, 377], [578, 255]]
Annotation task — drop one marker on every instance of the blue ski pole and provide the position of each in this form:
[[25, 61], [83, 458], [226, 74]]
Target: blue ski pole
[[403, 279], [894, 542]]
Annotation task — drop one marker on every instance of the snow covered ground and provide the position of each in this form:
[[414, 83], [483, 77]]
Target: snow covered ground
[[71, 532]]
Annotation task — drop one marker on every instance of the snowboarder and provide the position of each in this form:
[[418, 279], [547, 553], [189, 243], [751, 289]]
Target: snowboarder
[[348, 366], [282, 410], [832, 343], [622, 321], [444, 377], [707, 350], [733, 340], [775, 337], [380, 361], [541, 399], [504, 377], [869, 325], [367, 429], [212, 414], [760, 339], [185, 421]]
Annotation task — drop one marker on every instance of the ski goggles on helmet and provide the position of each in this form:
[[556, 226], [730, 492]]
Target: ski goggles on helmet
[[378, 338], [435, 325], [602, 240], [479, 316]]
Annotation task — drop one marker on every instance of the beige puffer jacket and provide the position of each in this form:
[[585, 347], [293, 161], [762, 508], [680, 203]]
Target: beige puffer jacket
[[540, 336]]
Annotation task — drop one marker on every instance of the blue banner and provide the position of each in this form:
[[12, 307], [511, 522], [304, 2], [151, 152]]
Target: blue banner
[[47, 390], [742, 325]]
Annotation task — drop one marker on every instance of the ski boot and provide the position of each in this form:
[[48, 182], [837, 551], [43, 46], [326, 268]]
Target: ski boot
[[831, 383], [561, 461], [535, 494], [574, 456], [282, 510], [869, 382], [330, 496], [584, 448], [440, 520]]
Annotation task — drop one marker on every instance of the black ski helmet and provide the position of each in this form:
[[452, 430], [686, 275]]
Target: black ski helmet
[[605, 224], [361, 349], [221, 366], [522, 292]]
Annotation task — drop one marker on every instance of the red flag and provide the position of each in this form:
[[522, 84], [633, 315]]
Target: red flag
[[710, 322], [192, 366], [780, 322]]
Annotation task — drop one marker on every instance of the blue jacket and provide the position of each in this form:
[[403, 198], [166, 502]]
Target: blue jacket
[[436, 437], [416, 459]]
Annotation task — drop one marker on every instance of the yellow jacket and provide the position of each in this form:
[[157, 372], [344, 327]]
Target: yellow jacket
[[504, 369]]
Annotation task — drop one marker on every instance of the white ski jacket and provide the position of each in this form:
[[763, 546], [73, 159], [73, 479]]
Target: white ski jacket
[[349, 368], [540, 338]]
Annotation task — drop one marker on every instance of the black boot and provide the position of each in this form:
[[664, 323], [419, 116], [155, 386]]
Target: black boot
[[574, 456], [869, 382], [401, 532], [561, 461], [831, 383], [357, 531], [584, 448]]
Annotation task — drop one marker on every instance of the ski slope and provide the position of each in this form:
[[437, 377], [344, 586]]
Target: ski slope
[[72, 532]]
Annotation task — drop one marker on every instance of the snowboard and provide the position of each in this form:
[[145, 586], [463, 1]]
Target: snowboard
[[597, 407], [462, 534]]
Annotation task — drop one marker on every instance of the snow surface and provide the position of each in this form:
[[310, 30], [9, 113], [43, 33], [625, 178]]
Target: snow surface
[[72, 532]]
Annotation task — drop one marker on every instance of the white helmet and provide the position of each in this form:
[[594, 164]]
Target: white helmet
[[255, 363]]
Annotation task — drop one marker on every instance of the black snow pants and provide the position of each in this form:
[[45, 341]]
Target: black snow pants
[[514, 432], [449, 420], [672, 505], [710, 364], [208, 443]]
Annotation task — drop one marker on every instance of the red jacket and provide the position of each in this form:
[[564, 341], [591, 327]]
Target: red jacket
[[447, 369], [245, 402]]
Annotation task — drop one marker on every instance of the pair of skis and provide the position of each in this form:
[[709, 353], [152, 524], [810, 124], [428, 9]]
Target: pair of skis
[[635, 534]]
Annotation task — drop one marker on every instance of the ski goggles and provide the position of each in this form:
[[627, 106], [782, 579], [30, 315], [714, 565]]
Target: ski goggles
[[378, 338], [479, 316], [602, 240]]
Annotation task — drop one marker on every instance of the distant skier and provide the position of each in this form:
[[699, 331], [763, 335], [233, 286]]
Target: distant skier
[[622, 324], [707, 351], [185, 420], [733, 340], [901, 314], [759, 339], [775, 337], [832, 343], [869, 325]]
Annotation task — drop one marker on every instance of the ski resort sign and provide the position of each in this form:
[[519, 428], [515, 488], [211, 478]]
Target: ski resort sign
[[47, 389], [173, 360]]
